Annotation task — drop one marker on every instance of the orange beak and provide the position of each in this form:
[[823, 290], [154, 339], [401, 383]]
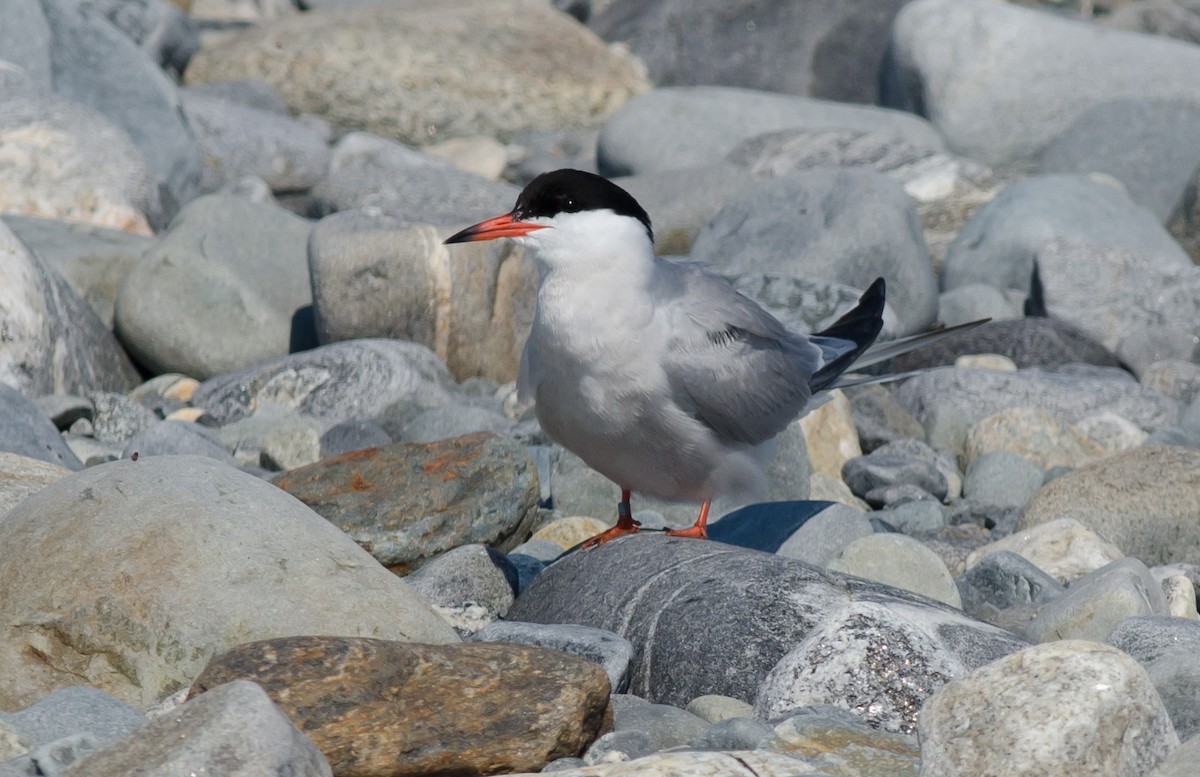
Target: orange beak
[[500, 226]]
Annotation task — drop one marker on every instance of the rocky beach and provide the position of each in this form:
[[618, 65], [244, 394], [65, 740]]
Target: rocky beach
[[270, 503]]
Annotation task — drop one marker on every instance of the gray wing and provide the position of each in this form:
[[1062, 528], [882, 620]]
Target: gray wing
[[730, 363]]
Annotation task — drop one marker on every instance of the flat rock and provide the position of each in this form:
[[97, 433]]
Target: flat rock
[[235, 725], [472, 304], [409, 502], [1069, 707], [814, 224], [485, 76], [1147, 501], [288, 571], [379, 707]]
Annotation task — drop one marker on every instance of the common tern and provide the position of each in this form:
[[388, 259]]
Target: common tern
[[658, 374]]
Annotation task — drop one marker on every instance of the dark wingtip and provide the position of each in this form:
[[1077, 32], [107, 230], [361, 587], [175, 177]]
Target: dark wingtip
[[1035, 303]]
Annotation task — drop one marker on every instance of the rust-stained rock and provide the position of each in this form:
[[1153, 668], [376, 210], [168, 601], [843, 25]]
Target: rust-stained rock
[[376, 707], [408, 502]]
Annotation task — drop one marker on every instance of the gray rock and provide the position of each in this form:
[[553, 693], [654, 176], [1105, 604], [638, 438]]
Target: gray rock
[[900, 561], [879, 419], [235, 725], [334, 383], [269, 427], [824, 50], [1179, 380], [892, 465], [240, 140], [611, 651], [1094, 604], [1029, 342], [1002, 478], [757, 607], [75, 710], [678, 127], [466, 576], [1150, 637], [934, 68], [53, 758], [22, 476], [714, 708], [683, 201], [915, 517], [1182, 760], [1069, 394], [373, 276], [1176, 677], [251, 92], [221, 290], [732, 734], [1005, 579], [528, 566], [353, 435], [665, 725], [288, 446], [367, 171], [999, 244], [160, 29], [815, 225], [195, 512], [617, 746], [825, 535], [973, 302], [28, 432], [443, 423], [64, 409], [117, 418], [177, 438], [895, 494], [1068, 707], [828, 738], [1149, 145]]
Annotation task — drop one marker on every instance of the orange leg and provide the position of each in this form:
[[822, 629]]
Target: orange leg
[[625, 524], [698, 530]]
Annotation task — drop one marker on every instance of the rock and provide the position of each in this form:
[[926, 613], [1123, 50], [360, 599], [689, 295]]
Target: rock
[[684, 200], [825, 488], [1093, 604], [665, 726], [28, 433], [973, 302], [825, 217], [824, 51], [1004, 579], [1069, 395], [239, 140], [335, 383], [467, 578], [1147, 501], [1116, 295], [1069, 707], [378, 707], [160, 29], [1002, 478], [481, 154], [879, 419], [1182, 760], [734, 733], [1063, 548], [353, 436], [473, 304], [221, 290], [757, 607], [934, 68], [916, 517], [485, 77], [715, 708], [22, 476], [177, 438], [830, 434], [619, 746], [896, 464], [605, 648], [1173, 378], [844, 745], [71, 711], [824, 536], [1028, 342], [53, 342], [568, 532], [409, 502], [737, 763], [257, 438], [235, 725], [251, 92], [286, 572], [899, 561], [117, 418], [1035, 435], [1148, 145], [678, 127], [1150, 637]]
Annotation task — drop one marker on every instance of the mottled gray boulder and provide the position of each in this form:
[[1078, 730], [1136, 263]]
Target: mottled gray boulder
[[1000, 242], [612, 652], [730, 615], [28, 432], [849, 226], [235, 725], [677, 127], [1169, 649], [1005, 579]]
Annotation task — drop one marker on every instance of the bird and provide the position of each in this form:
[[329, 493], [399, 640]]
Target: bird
[[658, 373]]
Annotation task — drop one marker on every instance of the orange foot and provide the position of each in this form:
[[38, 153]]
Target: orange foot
[[698, 530], [625, 525]]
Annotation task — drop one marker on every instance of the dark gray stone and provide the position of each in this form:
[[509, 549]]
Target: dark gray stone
[[1005, 579], [609, 650], [353, 435], [879, 419], [75, 710], [528, 567], [849, 226], [892, 466], [1029, 342], [29, 432]]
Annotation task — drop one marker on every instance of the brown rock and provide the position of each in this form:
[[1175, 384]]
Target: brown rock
[[831, 436], [408, 502], [376, 707]]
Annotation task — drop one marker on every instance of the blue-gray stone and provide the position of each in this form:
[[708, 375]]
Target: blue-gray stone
[[612, 652]]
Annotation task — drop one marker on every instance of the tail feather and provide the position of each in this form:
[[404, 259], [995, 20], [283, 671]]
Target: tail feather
[[859, 327]]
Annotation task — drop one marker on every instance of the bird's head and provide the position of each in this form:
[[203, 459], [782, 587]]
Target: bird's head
[[569, 215]]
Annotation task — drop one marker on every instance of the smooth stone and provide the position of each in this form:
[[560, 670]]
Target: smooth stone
[[1006, 579], [1070, 707], [290, 447], [1039, 437], [835, 744], [1028, 342], [249, 438], [612, 652], [334, 383], [485, 77], [888, 466], [410, 502], [900, 561], [22, 476], [830, 434], [252, 92], [666, 725], [354, 435], [467, 577], [734, 733], [195, 510], [234, 725], [176, 438], [450, 421], [915, 517], [374, 706], [677, 127], [715, 708], [1063, 548], [568, 532], [972, 302], [735, 763], [825, 218], [220, 290], [683, 201], [482, 155], [1094, 604], [824, 536], [618, 746], [1146, 500], [29, 433], [879, 419]]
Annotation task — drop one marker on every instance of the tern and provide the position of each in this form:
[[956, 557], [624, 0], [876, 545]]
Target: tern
[[658, 374]]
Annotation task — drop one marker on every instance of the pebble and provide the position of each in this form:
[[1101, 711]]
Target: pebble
[[1063, 548], [465, 580], [1093, 604], [1005, 579], [899, 561], [715, 708], [1002, 478]]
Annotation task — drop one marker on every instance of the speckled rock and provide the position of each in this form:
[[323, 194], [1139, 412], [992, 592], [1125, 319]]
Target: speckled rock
[[1063, 548]]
